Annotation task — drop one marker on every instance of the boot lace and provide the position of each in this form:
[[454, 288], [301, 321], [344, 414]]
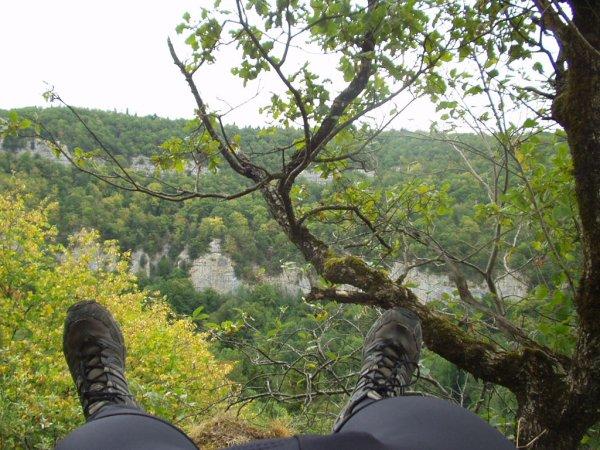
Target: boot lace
[[103, 380], [387, 374]]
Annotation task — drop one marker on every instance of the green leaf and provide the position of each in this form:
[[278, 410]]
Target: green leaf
[[192, 42], [446, 56]]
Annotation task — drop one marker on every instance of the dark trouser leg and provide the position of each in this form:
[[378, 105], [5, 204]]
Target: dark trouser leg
[[402, 423], [119, 428], [425, 423]]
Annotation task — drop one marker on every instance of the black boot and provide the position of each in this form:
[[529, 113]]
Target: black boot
[[95, 352], [390, 357]]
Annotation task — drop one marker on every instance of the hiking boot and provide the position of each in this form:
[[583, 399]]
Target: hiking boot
[[95, 352], [390, 357]]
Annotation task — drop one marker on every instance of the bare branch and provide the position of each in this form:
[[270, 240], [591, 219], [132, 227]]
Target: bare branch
[[353, 209]]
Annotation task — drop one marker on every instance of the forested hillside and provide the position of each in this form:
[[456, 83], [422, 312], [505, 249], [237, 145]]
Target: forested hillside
[[259, 321], [421, 162]]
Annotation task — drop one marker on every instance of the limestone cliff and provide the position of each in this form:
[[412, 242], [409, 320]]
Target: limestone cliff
[[216, 270]]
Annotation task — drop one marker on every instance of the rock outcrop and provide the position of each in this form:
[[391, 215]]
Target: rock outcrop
[[214, 270], [429, 286], [37, 147]]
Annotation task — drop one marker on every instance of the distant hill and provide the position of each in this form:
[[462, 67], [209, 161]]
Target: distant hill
[[248, 235]]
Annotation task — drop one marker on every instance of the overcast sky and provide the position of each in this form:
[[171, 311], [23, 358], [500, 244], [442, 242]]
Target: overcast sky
[[108, 54], [113, 55]]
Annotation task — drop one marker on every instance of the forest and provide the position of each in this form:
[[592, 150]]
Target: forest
[[498, 201], [260, 316]]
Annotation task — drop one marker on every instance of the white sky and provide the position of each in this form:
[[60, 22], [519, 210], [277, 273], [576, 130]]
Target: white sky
[[108, 54], [113, 55]]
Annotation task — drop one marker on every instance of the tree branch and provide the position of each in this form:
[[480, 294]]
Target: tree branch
[[239, 164], [480, 359]]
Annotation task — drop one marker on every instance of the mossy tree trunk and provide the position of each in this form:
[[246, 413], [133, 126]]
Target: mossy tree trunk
[[577, 108]]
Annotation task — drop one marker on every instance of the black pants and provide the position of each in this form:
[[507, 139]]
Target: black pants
[[401, 423]]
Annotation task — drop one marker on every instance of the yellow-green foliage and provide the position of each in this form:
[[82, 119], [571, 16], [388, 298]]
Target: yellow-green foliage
[[171, 370]]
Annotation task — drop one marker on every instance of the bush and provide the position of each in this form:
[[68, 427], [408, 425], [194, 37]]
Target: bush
[[171, 371]]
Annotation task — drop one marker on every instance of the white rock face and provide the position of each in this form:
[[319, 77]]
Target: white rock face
[[429, 286], [139, 163], [512, 286], [426, 286], [40, 148], [140, 262], [214, 270], [291, 281], [314, 177], [144, 164], [366, 173], [183, 258]]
